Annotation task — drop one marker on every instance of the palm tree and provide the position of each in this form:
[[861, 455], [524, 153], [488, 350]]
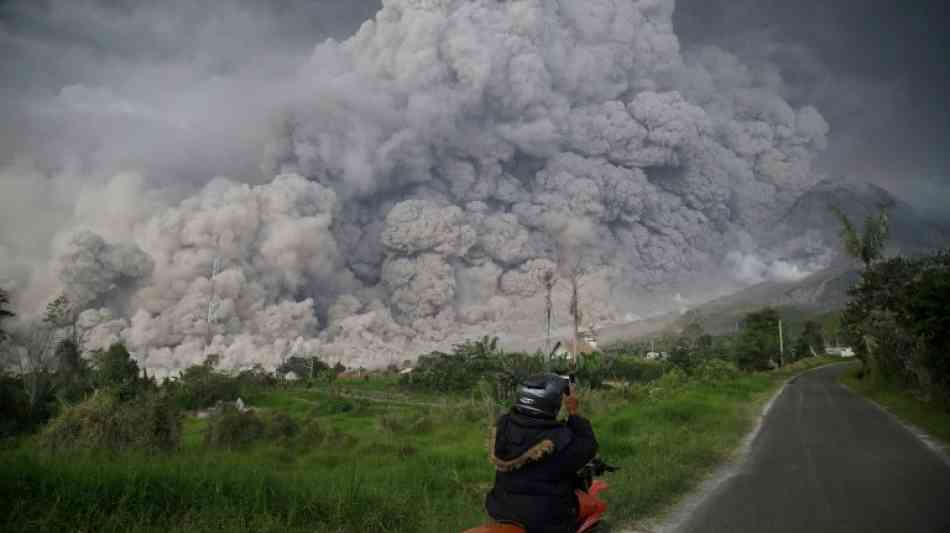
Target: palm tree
[[869, 246]]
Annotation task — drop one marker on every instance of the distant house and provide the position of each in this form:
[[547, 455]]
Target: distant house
[[657, 356], [291, 376]]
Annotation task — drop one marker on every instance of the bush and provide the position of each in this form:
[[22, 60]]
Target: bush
[[14, 407], [201, 386], [671, 382], [634, 370], [281, 426], [255, 378], [312, 434], [469, 363], [715, 371], [150, 423], [232, 429]]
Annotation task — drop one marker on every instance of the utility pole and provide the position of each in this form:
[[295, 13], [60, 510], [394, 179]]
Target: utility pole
[[549, 281], [781, 345]]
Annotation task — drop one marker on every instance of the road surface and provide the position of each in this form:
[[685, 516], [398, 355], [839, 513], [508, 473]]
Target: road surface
[[829, 461]]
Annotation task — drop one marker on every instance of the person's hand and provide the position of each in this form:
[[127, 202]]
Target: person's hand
[[570, 400]]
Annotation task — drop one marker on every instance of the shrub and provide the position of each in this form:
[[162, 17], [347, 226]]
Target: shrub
[[312, 434], [232, 429], [14, 407], [469, 362], [671, 382], [593, 371], [282, 426], [716, 371], [255, 378], [150, 423], [636, 370], [201, 386]]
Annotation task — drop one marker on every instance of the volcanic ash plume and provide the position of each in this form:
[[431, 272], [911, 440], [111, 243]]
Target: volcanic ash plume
[[430, 168]]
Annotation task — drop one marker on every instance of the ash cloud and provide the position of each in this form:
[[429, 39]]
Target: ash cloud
[[877, 69], [392, 190]]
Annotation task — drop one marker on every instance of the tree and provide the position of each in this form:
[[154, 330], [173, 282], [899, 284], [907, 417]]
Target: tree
[[201, 386], [693, 345], [694, 332], [116, 368], [758, 343], [869, 246], [4, 313], [813, 337], [898, 321], [72, 372], [32, 353], [303, 367]]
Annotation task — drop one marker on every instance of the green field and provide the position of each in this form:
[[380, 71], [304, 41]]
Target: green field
[[412, 464]]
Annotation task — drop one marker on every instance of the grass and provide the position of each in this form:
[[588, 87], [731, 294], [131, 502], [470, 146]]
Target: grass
[[377, 468], [928, 416]]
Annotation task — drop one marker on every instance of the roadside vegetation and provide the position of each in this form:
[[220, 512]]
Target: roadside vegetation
[[898, 322], [93, 443], [897, 319]]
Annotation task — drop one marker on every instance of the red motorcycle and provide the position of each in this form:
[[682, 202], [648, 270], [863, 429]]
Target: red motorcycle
[[590, 515]]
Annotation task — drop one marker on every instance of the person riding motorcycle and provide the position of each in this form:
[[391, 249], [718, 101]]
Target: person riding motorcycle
[[536, 457]]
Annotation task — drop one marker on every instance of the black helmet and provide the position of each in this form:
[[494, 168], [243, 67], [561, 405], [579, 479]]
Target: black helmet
[[540, 395]]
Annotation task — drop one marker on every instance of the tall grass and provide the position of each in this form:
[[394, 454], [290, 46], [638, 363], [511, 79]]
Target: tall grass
[[376, 469]]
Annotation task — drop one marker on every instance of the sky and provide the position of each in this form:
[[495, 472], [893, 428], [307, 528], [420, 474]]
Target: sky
[[878, 70]]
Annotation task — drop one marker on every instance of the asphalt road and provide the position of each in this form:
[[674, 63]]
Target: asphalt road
[[827, 460]]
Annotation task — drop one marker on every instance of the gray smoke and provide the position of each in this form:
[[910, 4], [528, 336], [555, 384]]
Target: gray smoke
[[430, 169]]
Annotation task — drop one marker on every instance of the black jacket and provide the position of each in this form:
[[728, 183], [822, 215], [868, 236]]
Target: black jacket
[[536, 461]]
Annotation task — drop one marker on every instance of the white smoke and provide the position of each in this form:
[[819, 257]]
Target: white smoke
[[428, 170], [751, 269]]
